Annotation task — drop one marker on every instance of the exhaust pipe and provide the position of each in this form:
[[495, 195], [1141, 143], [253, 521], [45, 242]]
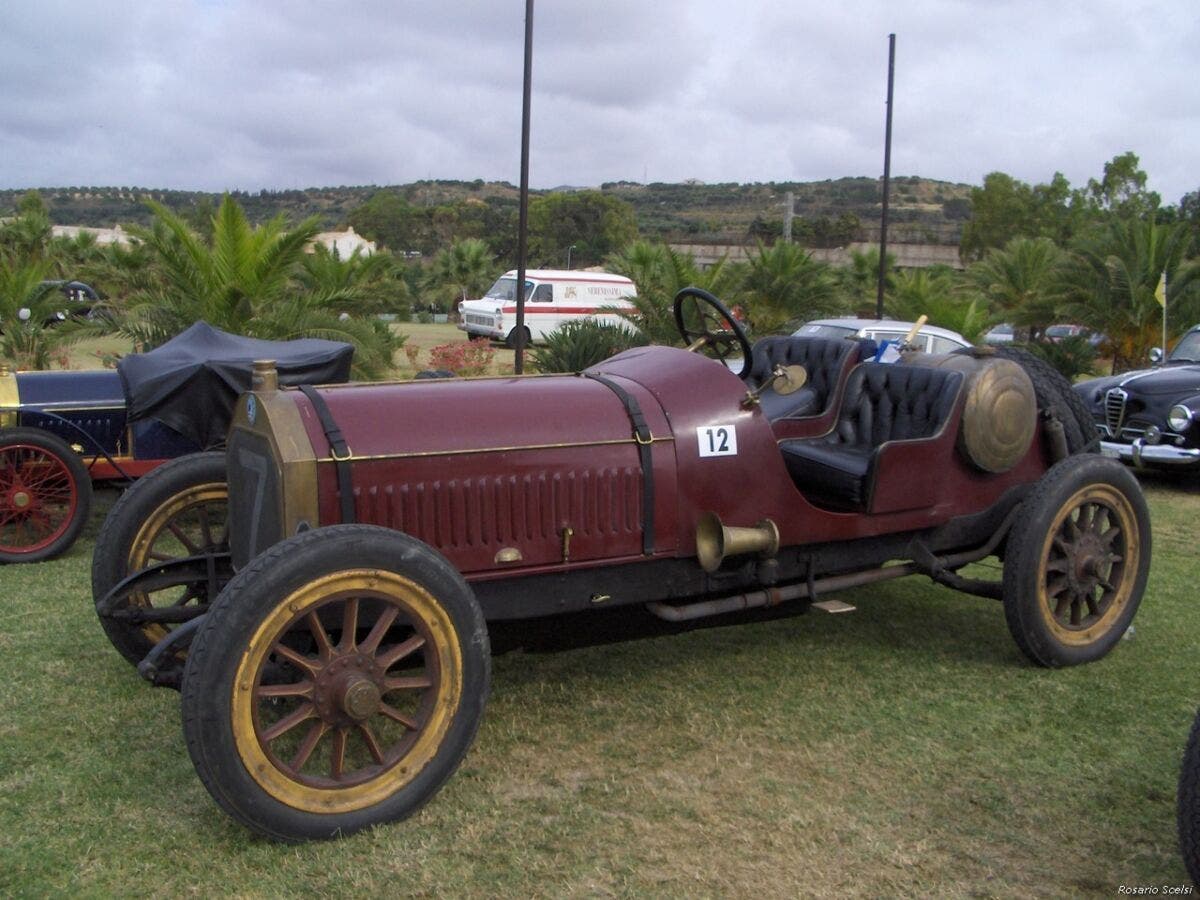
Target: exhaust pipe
[[775, 596]]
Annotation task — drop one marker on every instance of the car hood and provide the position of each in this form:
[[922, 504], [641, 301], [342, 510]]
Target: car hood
[[1177, 379]]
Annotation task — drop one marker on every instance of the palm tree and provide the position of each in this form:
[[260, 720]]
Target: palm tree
[[859, 281], [937, 293], [244, 280], [660, 273], [1022, 283], [371, 283], [26, 236], [784, 286], [1109, 284], [34, 336], [463, 271]]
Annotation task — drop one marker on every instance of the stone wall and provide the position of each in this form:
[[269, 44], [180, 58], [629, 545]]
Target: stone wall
[[908, 256]]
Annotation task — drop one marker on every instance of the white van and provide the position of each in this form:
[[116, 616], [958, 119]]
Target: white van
[[552, 297]]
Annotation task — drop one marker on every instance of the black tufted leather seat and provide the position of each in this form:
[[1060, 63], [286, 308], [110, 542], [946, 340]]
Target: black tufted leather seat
[[881, 403], [824, 359]]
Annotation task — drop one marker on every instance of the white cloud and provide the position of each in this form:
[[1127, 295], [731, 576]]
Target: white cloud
[[236, 94]]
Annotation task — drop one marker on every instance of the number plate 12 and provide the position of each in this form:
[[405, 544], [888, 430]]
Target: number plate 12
[[717, 440]]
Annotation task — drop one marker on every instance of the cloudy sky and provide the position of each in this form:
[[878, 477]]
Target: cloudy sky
[[250, 94]]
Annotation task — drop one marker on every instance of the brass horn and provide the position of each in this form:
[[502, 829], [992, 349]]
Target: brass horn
[[715, 541]]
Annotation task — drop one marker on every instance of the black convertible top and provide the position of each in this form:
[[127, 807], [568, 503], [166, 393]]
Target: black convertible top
[[193, 380]]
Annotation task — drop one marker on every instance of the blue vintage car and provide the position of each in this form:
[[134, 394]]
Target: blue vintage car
[[62, 431]]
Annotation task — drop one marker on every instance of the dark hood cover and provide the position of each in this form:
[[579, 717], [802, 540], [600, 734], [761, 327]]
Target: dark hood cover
[[193, 380]]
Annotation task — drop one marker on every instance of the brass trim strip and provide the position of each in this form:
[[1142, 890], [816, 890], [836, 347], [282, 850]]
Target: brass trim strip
[[456, 378], [60, 407], [466, 451]]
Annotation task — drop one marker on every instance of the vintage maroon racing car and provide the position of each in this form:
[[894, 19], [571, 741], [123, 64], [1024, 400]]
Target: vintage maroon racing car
[[340, 675]]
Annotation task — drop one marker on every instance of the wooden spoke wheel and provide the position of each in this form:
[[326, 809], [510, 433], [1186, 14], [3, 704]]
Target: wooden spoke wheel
[[45, 495], [336, 683], [1077, 562], [178, 510]]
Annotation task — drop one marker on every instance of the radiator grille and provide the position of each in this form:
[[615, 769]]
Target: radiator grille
[[254, 502], [1114, 409], [476, 319]]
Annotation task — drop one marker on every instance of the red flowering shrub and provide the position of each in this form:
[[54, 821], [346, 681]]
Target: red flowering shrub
[[464, 358]]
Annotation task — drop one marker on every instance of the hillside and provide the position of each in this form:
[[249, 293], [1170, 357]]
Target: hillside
[[828, 213]]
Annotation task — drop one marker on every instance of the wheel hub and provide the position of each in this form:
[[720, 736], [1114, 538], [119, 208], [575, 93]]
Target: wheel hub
[[20, 499], [1085, 559], [360, 698], [349, 690]]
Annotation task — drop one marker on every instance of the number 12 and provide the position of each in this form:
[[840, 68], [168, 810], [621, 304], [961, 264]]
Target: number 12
[[717, 440]]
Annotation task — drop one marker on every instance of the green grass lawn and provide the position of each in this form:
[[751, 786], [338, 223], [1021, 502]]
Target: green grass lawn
[[904, 749]]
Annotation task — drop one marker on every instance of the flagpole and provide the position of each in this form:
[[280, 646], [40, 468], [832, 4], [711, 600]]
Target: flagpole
[[1164, 313]]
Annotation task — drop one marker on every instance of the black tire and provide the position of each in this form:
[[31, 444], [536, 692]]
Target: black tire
[[1076, 562], [45, 495], [1188, 800], [268, 751], [1055, 396], [176, 510]]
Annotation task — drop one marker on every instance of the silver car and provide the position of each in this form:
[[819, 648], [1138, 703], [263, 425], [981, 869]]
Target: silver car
[[930, 339]]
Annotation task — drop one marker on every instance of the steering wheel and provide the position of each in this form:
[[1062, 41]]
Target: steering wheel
[[707, 324]]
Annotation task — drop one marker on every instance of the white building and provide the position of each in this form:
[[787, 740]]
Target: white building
[[344, 243], [114, 235]]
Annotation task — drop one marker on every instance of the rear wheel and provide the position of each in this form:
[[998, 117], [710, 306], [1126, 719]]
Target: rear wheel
[[177, 510], [336, 683], [1076, 563], [45, 495]]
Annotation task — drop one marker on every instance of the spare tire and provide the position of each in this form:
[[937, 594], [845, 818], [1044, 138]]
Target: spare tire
[[1055, 396]]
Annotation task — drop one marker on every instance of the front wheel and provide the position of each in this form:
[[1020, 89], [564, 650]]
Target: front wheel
[[178, 510], [1076, 562], [336, 683], [45, 495]]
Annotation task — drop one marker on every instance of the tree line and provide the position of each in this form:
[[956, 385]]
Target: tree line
[[1033, 255]]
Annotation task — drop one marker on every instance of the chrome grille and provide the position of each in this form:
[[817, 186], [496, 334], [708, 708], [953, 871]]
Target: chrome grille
[[474, 319], [255, 521], [1114, 409]]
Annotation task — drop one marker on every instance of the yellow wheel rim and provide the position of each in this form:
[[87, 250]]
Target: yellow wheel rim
[[346, 690], [166, 534], [1088, 565]]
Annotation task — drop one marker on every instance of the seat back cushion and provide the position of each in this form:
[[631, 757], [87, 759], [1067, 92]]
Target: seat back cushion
[[887, 402], [823, 359]]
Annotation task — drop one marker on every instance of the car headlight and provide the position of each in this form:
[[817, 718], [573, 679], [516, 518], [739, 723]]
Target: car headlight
[[1179, 418]]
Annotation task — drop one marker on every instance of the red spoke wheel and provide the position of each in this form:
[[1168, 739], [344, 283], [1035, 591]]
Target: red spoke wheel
[[1077, 561], [45, 495], [177, 510], [336, 683]]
